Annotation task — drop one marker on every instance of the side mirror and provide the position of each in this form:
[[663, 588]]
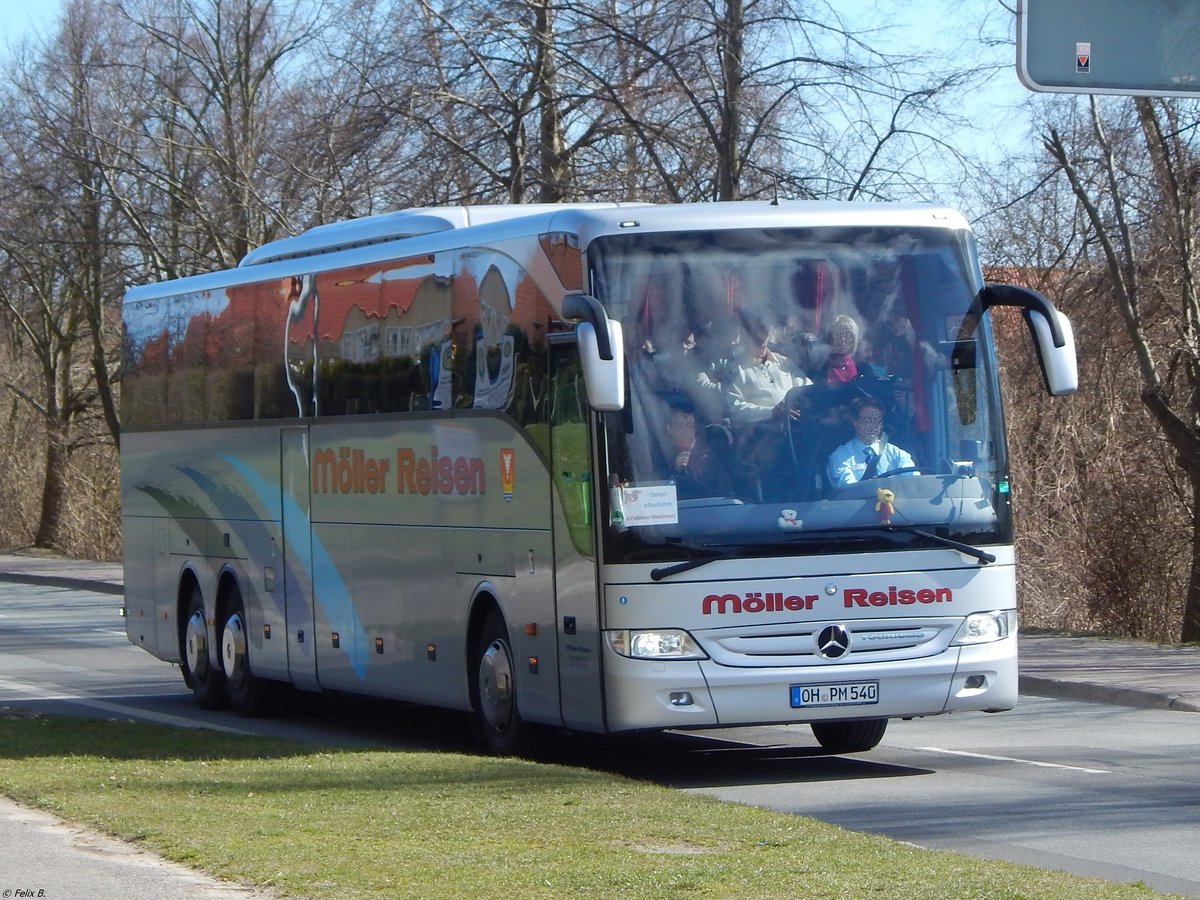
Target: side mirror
[[601, 352], [1052, 335], [1059, 365]]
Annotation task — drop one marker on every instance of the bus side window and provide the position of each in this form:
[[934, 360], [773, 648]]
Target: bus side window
[[144, 377], [271, 397], [387, 340]]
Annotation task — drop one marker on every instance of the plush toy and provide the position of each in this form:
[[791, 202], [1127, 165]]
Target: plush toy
[[883, 504]]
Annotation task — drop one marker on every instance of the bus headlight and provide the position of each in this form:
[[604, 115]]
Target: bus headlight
[[985, 627], [664, 643]]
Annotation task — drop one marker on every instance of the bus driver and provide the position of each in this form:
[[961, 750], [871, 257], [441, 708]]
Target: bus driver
[[868, 454]]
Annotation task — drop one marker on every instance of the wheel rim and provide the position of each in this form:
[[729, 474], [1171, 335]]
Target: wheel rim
[[496, 686], [233, 650], [195, 645]]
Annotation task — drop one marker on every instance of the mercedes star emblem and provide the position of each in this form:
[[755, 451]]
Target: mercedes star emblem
[[833, 641]]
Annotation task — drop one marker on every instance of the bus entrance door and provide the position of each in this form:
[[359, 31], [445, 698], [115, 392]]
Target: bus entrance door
[[577, 607]]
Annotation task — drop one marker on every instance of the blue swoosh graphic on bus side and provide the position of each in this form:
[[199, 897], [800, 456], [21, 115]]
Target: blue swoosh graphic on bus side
[[231, 505], [233, 508], [329, 590]]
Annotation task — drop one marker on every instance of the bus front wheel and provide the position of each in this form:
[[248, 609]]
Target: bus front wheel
[[198, 671], [849, 737], [504, 731]]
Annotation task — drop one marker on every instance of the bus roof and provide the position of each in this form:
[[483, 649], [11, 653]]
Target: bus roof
[[399, 225], [430, 229]]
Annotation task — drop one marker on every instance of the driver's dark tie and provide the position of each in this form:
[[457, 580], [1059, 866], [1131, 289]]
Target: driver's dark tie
[[872, 463]]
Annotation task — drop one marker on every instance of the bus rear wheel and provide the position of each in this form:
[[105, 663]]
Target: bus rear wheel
[[498, 717], [849, 737], [249, 694], [199, 673]]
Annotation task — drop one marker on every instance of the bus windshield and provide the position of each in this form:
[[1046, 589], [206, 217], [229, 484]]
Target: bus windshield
[[799, 391]]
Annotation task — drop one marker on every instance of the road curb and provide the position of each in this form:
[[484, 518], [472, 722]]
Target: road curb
[[1101, 693], [64, 581]]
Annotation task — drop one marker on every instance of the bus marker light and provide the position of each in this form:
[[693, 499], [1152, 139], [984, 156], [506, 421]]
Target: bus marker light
[[531, 629], [379, 646], [334, 637], [431, 652], [533, 665], [266, 632]]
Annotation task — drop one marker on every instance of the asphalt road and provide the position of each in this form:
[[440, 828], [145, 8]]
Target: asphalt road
[[1106, 791], [1101, 790]]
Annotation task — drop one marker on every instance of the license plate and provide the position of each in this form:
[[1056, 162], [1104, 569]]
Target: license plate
[[849, 693]]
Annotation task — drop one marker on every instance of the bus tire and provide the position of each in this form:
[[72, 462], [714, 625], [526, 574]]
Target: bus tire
[[199, 673], [249, 695], [497, 715], [849, 737]]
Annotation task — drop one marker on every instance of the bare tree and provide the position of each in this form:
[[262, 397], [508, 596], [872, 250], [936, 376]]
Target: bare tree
[[209, 137], [493, 103], [688, 100], [57, 249], [743, 98], [1135, 173]]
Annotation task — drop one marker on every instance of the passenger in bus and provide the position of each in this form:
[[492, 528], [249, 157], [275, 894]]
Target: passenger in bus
[[681, 363], [711, 366], [760, 380], [839, 363], [699, 464], [868, 454], [666, 364]]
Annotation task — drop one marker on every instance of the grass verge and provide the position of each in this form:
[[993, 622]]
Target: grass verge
[[355, 823]]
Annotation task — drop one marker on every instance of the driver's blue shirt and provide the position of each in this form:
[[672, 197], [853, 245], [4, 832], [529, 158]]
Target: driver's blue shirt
[[848, 462]]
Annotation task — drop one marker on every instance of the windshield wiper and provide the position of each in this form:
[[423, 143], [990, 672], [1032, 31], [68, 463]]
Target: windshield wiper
[[687, 565], [982, 555], [974, 552]]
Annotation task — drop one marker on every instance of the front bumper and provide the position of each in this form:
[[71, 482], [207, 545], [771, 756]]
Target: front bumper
[[649, 694]]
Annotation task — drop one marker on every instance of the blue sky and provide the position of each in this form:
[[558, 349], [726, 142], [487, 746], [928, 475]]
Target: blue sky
[[948, 27], [18, 16], [955, 30]]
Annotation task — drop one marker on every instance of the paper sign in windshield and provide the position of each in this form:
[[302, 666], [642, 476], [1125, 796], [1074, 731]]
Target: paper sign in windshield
[[650, 505]]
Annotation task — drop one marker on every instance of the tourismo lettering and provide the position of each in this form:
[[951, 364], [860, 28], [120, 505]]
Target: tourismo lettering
[[435, 474], [756, 602], [895, 596], [348, 471]]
